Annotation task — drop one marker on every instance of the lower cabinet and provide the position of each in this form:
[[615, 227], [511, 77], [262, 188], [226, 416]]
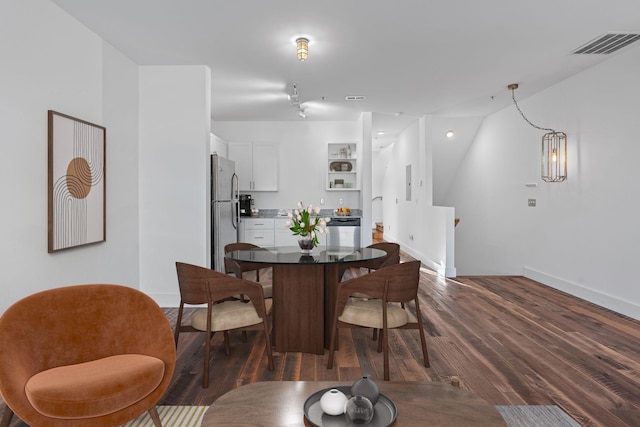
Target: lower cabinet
[[267, 232], [258, 231], [284, 236]]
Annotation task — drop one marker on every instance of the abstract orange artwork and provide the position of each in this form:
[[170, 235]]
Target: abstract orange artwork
[[77, 181]]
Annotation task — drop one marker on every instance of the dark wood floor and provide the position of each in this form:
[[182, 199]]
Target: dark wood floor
[[510, 340]]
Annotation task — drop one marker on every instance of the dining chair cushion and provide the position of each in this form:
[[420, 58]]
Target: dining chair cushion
[[225, 316], [360, 295], [368, 313], [95, 388], [267, 288]]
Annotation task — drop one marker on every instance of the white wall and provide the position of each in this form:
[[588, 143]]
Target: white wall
[[422, 230], [50, 61], [582, 236], [302, 155], [379, 168], [174, 184]]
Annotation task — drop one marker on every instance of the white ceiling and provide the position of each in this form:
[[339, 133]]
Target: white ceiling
[[450, 58]]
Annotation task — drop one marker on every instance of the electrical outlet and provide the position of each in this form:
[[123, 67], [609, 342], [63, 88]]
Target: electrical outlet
[[531, 203]]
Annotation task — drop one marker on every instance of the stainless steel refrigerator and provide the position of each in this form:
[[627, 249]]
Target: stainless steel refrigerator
[[224, 208]]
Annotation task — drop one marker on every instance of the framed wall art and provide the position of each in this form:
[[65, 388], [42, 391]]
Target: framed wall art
[[77, 182]]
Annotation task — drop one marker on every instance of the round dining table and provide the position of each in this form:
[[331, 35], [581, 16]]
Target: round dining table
[[282, 403], [304, 291]]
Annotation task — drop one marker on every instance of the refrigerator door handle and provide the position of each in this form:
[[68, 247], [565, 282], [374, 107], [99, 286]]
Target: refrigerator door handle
[[235, 187], [235, 197], [234, 217]]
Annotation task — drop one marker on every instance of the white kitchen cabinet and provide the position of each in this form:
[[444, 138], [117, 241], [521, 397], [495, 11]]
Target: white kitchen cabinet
[[258, 231], [284, 236], [342, 167], [256, 165]]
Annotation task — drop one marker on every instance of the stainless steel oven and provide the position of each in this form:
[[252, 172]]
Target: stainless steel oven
[[343, 231]]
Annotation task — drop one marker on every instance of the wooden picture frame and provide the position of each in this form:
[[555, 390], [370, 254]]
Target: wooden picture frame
[[76, 182]]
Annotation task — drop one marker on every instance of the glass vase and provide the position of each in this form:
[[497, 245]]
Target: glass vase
[[306, 244]]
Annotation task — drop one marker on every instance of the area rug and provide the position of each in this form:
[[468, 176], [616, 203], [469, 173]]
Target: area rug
[[535, 416], [515, 416], [172, 416]]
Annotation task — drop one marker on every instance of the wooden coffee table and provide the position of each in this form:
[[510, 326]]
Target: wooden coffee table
[[281, 403]]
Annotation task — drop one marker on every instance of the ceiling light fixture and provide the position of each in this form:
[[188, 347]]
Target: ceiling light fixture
[[381, 132], [302, 48], [449, 134], [554, 148]]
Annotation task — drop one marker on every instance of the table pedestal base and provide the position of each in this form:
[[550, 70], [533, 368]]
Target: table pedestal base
[[298, 308]]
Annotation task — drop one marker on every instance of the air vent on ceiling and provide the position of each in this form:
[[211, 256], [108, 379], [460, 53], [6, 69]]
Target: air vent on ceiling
[[355, 98], [607, 43]]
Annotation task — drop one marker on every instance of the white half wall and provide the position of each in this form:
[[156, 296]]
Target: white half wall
[[174, 175], [422, 230]]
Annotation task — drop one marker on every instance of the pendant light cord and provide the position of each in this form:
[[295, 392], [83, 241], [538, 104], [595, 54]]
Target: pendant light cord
[[513, 96]]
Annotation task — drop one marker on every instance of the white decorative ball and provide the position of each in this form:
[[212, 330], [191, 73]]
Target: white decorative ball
[[332, 402]]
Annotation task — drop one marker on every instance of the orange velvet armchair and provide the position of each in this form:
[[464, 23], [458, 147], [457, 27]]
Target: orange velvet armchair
[[85, 355]]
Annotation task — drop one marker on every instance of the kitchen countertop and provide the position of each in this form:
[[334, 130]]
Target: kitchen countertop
[[273, 213]]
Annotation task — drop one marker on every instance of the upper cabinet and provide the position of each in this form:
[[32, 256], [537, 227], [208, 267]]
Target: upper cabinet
[[256, 165], [218, 146], [342, 167]]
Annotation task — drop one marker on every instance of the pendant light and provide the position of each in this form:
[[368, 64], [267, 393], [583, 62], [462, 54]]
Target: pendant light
[[554, 148]]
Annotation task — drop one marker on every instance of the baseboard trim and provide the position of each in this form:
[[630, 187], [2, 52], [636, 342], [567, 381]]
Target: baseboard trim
[[596, 297], [442, 270]]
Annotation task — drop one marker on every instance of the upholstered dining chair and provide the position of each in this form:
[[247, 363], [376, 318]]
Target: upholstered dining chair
[[84, 355], [392, 257], [387, 287], [238, 268], [199, 286]]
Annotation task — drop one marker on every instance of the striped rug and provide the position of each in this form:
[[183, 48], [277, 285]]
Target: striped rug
[[172, 416], [515, 416], [535, 416]]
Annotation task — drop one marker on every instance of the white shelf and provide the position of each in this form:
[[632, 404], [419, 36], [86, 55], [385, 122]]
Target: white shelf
[[344, 153]]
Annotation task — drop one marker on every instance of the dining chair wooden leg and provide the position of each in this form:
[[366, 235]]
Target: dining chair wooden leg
[[207, 351], [423, 341], [178, 323], [375, 334], [244, 336], [380, 337], [385, 353], [153, 413]]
